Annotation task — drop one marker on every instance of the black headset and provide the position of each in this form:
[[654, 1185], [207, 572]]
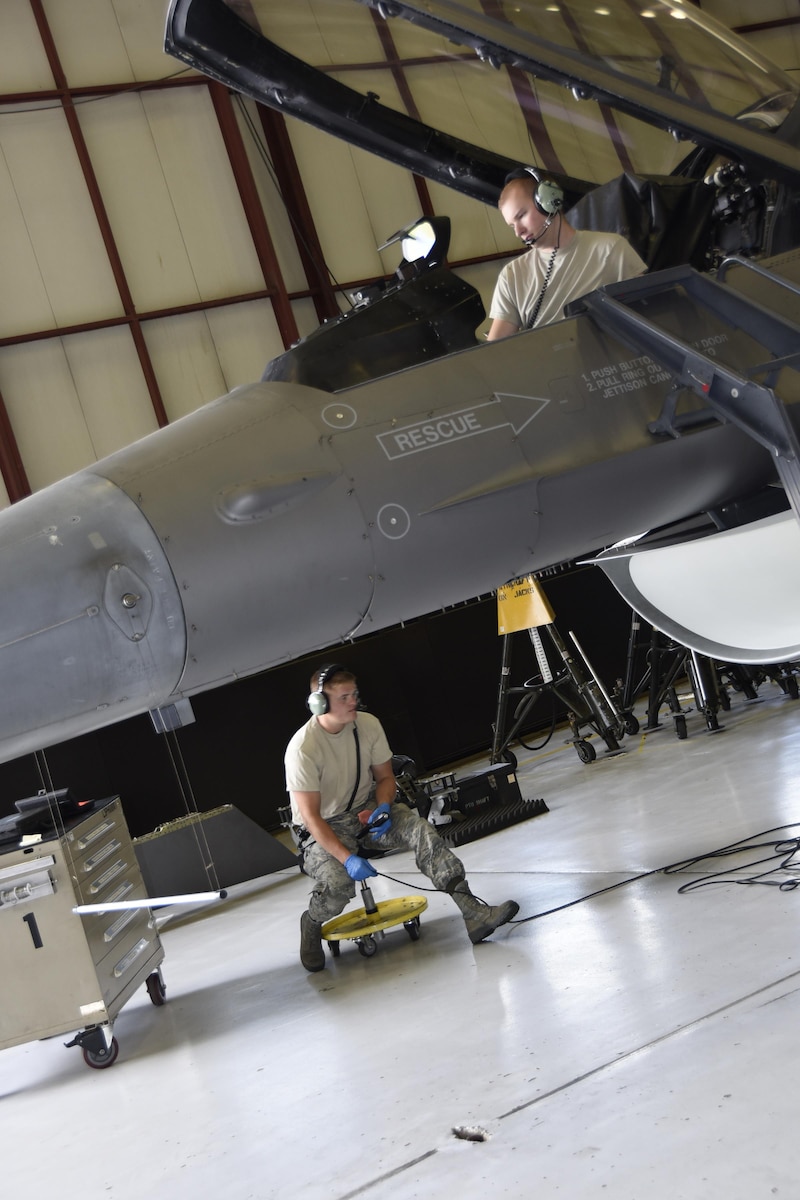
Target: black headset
[[318, 702], [548, 197]]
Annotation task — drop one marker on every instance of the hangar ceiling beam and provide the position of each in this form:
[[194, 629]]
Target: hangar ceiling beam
[[765, 26], [11, 468], [399, 76], [254, 213], [294, 197]]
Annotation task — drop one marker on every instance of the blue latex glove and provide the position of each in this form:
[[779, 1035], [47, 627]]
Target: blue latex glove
[[381, 818], [358, 867]]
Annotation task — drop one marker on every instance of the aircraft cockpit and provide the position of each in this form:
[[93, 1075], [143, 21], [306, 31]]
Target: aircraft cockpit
[[422, 313]]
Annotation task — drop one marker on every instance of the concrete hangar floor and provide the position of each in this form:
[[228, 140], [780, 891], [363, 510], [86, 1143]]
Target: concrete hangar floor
[[639, 1043]]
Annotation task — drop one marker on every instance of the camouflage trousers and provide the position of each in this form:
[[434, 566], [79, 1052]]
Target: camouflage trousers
[[333, 887]]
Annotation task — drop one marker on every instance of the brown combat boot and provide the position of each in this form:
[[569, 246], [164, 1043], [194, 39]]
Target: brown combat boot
[[312, 956], [481, 919]]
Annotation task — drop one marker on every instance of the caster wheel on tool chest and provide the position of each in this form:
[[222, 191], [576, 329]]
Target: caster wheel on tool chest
[[156, 989], [100, 1059]]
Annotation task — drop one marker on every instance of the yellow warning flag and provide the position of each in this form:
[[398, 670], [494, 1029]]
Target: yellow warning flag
[[522, 604]]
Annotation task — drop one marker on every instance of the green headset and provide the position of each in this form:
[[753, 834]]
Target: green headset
[[318, 703], [548, 197]]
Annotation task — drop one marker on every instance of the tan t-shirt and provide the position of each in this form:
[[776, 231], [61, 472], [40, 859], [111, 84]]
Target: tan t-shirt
[[589, 261], [317, 761]]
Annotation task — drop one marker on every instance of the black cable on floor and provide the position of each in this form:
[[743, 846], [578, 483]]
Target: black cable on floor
[[589, 896], [787, 849]]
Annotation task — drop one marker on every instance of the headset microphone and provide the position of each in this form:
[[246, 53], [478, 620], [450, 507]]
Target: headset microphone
[[531, 241]]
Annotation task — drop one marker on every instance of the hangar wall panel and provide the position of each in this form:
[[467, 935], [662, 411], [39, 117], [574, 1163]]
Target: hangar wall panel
[[65, 248], [45, 410], [321, 33], [75, 399], [245, 337], [23, 62], [108, 378], [121, 47], [186, 363], [278, 220], [203, 191], [306, 317], [24, 303], [170, 197], [356, 201]]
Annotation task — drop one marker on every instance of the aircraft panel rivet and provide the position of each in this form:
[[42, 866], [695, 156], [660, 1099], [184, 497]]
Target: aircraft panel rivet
[[130, 600], [393, 521], [339, 416], [735, 393]]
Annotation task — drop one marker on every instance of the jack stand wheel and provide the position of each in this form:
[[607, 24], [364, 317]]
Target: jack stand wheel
[[631, 725], [335, 949], [792, 687], [585, 751], [367, 946]]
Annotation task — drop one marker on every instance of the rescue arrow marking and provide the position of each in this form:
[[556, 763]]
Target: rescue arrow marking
[[465, 422]]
